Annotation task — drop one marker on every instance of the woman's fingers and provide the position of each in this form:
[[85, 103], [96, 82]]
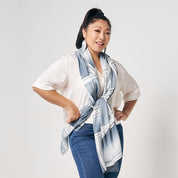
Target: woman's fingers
[[119, 115], [73, 113], [72, 118], [117, 112]]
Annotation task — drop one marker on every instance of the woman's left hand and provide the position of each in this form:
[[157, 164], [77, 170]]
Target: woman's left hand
[[120, 115]]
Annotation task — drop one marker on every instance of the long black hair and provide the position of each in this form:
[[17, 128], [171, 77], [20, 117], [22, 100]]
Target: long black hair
[[91, 16]]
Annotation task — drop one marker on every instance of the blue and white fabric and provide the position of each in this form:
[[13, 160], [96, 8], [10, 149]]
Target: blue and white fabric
[[107, 139]]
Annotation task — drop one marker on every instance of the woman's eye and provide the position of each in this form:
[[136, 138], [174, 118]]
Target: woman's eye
[[108, 32], [98, 31]]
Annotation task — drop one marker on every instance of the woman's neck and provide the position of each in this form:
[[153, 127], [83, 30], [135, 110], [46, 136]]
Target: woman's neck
[[94, 55], [96, 60]]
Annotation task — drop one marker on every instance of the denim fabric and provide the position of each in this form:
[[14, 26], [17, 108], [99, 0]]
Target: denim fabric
[[82, 144]]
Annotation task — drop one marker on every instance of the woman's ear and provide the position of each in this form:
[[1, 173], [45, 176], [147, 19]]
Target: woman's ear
[[84, 33]]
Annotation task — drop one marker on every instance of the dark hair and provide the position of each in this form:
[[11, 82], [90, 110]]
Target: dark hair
[[91, 16]]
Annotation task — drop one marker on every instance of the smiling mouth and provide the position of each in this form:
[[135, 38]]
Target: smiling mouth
[[100, 44]]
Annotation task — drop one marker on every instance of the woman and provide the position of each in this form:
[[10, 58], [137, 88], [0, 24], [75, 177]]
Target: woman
[[90, 85]]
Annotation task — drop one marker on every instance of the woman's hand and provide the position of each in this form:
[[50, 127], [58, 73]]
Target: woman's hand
[[120, 115], [73, 113], [124, 114], [54, 97]]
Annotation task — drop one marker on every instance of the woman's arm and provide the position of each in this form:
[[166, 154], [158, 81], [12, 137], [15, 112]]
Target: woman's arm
[[54, 97], [124, 114]]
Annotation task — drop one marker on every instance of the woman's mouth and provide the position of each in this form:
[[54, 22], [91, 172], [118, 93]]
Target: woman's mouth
[[100, 44]]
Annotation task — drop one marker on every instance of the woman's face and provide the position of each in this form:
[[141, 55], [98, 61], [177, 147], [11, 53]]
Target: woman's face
[[97, 36]]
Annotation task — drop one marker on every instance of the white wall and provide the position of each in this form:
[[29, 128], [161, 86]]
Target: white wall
[[144, 39]]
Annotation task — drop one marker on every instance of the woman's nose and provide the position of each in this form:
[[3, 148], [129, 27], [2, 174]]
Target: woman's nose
[[102, 36]]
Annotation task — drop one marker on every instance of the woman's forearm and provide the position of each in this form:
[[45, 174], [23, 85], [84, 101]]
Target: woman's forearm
[[128, 107], [53, 97]]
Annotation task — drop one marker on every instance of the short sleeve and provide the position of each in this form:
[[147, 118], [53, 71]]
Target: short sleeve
[[127, 84], [55, 77], [129, 87]]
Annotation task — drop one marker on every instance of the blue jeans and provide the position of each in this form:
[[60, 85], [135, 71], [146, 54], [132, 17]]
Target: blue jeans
[[82, 144]]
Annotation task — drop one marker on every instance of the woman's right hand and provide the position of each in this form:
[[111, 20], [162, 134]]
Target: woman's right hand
[[73, 113], [54, 97]]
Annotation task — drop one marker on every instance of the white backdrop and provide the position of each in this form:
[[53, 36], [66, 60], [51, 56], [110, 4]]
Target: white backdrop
[[34, 33]]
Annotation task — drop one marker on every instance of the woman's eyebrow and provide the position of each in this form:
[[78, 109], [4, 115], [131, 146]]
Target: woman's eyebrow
[[106, 29]]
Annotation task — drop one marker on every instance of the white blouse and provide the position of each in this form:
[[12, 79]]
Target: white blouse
[[64, 76]]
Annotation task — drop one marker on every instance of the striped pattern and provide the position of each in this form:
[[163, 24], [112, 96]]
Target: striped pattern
[[107, 139]]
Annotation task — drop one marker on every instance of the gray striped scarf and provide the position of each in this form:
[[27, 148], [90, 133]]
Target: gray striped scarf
[[107, 139]]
